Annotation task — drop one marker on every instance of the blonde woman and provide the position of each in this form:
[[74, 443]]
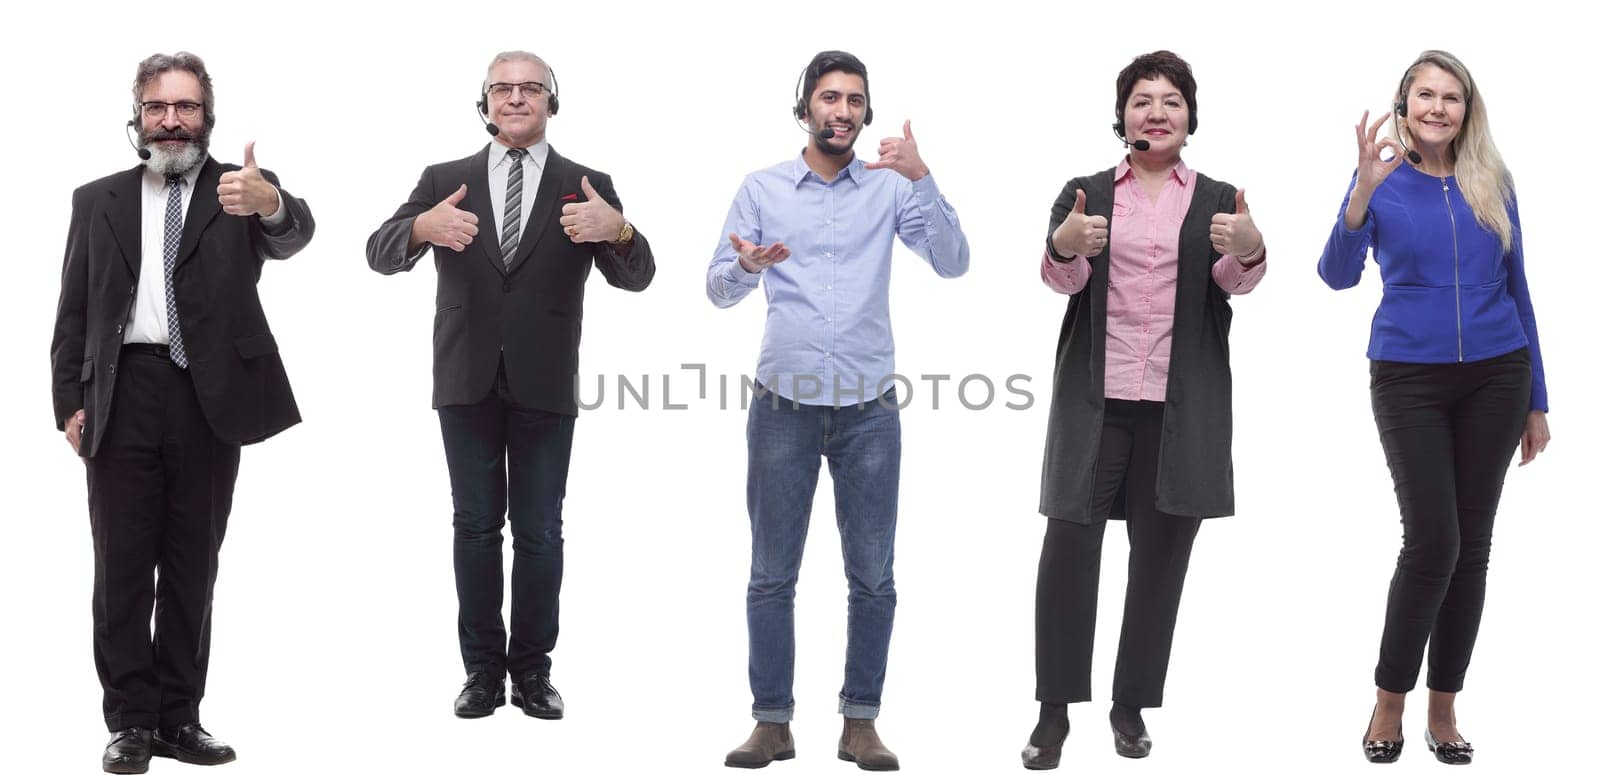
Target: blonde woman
[[1457, 377]]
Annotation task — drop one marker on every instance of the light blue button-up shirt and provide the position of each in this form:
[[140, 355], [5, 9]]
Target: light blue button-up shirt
[[828, 341]]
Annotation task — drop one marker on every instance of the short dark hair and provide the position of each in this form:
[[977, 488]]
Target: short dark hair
[[156, 64], [822, 64], [1158, 64]]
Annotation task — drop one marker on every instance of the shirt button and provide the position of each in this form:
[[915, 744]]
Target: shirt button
[[827, 355]]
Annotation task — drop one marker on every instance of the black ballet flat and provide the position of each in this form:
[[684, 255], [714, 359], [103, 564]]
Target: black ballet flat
[[1381, 751], [1458, 752]]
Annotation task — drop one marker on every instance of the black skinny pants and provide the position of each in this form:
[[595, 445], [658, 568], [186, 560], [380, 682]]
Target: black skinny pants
[[1449, 431]]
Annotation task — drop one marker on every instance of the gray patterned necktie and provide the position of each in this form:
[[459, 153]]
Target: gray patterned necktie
[[512, 230], [169, 260]]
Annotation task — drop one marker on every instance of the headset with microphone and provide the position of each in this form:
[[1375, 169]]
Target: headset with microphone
[[1401, 110], [826, 61], [1120, 130], [553, 100], [144, 153]]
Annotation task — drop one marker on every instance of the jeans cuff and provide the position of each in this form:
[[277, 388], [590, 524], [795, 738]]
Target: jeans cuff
[[857, 709], [773, 715]]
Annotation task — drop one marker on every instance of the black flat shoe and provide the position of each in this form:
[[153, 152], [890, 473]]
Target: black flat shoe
[[1380, 751], [1131, 746], [128, 751], [1047, 757], [1458, 752], [191, 744]]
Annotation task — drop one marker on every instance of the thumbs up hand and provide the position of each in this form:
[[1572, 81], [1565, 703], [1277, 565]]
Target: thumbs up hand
[[1081, 234], [593, 220], [900, 154], [446, 225], [246, 192], [1235, 234]]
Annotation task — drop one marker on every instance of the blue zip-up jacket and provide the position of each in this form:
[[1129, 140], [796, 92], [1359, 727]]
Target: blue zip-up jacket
[[1450, 294]]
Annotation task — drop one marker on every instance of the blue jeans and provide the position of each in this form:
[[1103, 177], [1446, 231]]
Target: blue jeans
[[504, 458], [787, 442]]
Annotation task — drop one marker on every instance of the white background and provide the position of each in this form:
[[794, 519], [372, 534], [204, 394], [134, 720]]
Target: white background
[[334, 643]]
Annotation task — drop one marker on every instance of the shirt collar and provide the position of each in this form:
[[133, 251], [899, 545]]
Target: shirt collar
[[159, 181], [537, 153], [1180, 172], [852, 171]]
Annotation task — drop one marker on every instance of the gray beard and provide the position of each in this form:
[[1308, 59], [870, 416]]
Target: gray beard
[[167, 163]]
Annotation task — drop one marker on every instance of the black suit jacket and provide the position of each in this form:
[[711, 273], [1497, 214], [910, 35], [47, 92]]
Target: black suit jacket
[[531, 312], [233, 359]]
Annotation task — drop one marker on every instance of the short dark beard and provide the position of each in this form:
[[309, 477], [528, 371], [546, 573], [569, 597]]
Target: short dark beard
[[165, 162], [832, 150]]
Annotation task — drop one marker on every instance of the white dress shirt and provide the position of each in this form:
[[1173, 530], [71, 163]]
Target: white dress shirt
[[147, 323], [500, 177]]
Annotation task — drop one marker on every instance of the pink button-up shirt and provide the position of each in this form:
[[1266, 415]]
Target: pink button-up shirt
[[1143, 286]]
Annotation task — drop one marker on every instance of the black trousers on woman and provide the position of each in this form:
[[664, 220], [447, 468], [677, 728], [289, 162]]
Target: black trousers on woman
[[1449, 431], [1069, 571]]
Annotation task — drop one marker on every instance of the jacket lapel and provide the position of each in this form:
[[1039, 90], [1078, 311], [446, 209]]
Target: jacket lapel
[[203, 206], [544, 207], [123, 213], [481, 205]]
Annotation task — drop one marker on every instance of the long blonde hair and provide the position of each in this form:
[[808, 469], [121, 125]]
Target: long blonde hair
[[1480, 172]]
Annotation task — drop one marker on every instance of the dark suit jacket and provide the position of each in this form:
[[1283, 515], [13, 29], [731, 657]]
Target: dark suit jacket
[[233, 359], [531, 312], [1195, 474]]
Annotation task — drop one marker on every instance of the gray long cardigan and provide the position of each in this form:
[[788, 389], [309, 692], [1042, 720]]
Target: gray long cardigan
[[1195, 472]]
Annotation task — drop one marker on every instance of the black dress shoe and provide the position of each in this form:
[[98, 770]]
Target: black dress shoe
[[1131, 746], [191, 744], [480, 695], [1043, 751], [1380, 751], [536, 697], [1458, 752], [1041, 757], [1128, 732], [128, 751]]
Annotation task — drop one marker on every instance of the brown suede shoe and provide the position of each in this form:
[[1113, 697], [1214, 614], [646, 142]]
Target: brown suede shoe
[[859, 743], [769, 742]]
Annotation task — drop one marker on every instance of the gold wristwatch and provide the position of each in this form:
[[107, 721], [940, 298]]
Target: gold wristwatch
[[626, 235]]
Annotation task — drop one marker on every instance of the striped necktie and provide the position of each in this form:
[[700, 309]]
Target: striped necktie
[[169, 260], [512, 231]]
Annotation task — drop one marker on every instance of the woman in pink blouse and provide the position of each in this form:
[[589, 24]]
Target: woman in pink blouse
[[1141, 413]]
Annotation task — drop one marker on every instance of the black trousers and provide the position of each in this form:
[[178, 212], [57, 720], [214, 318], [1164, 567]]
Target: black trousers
[[160, 488], [1069, 572], [501, 455], [1448, 431]]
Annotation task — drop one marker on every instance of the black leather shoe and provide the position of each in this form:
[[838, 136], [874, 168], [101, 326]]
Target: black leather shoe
[[128, 751], [1458, 752], [1041, 757], [1131, 746], [1043, 751], [480, 695], [536, 697], [1380, 751], [191, 744]]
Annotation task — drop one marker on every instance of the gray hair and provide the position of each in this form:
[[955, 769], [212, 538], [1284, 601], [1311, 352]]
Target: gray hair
[[156, 64], [519, 56]]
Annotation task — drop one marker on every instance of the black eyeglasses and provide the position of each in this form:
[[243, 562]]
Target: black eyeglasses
[[158, 109], [502, 91]]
